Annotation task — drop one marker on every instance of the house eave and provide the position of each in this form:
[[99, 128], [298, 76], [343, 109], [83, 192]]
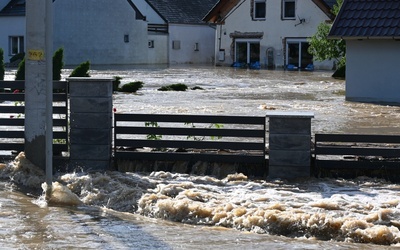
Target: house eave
[[365, 37]]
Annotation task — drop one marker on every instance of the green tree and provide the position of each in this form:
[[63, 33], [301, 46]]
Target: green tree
[[20, 75], [2, 67], [323, 48], [82, 70], [58, 64]]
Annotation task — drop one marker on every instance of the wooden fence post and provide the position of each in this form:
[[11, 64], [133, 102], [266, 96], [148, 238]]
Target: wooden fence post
[[289, 144], [91, 123]]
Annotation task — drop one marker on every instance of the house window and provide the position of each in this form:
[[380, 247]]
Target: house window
[[16, 45], [247, 52], [151, 44], [176, 44], [297, 55], [259, 9], [288, 9]]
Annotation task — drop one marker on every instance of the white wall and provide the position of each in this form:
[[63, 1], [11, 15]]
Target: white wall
[[275, 29], [189, 35], [94, 30], [372, 70], [10, 26], [158, 54]]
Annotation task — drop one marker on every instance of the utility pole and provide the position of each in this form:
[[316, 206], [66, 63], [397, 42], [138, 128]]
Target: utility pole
[[39, 85]]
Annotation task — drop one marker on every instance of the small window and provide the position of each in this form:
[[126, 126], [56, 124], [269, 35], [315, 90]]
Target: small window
[[176, 44], [151, 44], [126, 38], [16, 45], [259, 9], [289, 9]]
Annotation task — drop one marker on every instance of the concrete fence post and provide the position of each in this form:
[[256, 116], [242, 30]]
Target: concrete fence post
[[289, 144], [91, 123]]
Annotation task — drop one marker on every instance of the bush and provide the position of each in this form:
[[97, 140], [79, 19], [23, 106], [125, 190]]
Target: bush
[[2, 67], [20, 75], [82, 70], [174, 87], [58, 64], [131, 86], [19, 56], [116, 83]]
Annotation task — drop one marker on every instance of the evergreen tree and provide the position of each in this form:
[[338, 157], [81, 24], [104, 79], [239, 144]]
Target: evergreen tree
[[58, 64], [20, 75], [2, 67], [82, 70]]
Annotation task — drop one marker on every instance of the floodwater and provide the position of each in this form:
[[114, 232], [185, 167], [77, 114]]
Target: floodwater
[[162, 210]]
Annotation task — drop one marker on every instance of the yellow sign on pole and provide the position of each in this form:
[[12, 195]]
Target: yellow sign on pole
[[36, 54]]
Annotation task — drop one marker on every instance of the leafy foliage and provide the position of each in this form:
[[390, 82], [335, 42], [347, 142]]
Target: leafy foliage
[[82, 70], [132, 87], [58, 64], [20, 75], [323, 48], [2, 67], [174, 87], [116, 83]]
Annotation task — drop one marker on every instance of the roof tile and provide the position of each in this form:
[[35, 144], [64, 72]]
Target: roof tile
[[368, 18]]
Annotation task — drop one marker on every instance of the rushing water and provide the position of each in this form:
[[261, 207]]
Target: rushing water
[[161, 210]]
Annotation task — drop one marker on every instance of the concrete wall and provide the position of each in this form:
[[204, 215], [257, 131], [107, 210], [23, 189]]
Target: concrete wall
[[372, 71], [94, 30], [188, 36], [10, 26], [275, 30]]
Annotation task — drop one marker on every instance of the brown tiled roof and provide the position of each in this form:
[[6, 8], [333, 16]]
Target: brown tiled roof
[[367, 19]]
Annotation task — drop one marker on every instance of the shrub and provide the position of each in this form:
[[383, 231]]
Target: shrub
[[20, 75], [2, 67], [82, 70], [19, 56], [58, 64], [174, 87], [116, 83], [132, 86]]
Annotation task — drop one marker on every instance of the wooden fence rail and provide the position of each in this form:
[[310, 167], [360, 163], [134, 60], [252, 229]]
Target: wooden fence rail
[[357, 151], [12, 111], [189, 138]]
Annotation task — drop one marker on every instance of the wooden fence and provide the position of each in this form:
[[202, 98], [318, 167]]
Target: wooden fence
[[357, 151], [191, 138], [12, 111]]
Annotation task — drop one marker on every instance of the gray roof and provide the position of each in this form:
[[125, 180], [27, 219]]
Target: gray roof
[[183, 11], [367, 18], [14, 8]]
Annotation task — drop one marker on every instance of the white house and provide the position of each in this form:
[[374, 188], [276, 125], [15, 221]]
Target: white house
[[101, 31], [372, 34], [119, 31], [176, 27], [12, 27], [268, 33]]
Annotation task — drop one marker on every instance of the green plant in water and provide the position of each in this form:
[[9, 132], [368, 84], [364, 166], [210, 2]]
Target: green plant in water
[[174, 87], [201, 138], [116, 82], [152, 136], [132, 87], [20, 75], [82, 70], [2, 66], [58, 64]]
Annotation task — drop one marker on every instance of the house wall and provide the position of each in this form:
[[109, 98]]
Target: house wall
[[275, 30], [10, 26], [94, 30], [372, 71], [188, 35], [159, 53]]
